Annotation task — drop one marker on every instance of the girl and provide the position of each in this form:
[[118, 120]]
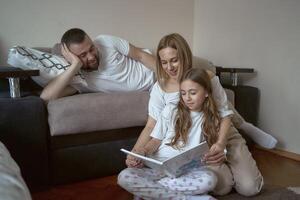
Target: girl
[[174, 57], [195, 119]]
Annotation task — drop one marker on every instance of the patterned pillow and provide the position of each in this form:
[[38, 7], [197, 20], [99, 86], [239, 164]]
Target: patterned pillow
[[50, 65]]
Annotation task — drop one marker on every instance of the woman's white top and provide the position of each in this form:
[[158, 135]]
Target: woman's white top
[[159, 99]]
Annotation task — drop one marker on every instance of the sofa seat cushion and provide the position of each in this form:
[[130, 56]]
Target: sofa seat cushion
[[97, 111]]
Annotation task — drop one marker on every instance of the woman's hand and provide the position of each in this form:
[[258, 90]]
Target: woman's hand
[[69, 56], [216, 154], [134, 162]]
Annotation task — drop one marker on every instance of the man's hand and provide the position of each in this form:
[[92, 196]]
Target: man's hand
[[69, 56], [216, 154], [60, 85]]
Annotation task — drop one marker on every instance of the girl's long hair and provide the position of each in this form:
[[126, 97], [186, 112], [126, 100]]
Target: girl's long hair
[[211, 119], [184, 52]]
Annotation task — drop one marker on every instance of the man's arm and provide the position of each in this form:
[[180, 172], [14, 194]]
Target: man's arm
[[59, 86], [145, 58], [127, 49]]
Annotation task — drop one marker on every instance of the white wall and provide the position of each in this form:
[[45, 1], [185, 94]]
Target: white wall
[[42, 22], [265, 35]]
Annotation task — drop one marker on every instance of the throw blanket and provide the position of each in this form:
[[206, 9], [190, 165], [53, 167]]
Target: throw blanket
[[12, 185]]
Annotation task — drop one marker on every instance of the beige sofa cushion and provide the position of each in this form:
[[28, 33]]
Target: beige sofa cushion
[[97, 111]]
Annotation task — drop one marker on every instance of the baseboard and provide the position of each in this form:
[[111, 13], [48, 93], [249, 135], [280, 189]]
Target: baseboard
[[283, 153]]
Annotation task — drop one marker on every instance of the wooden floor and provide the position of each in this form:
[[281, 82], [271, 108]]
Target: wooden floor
[[276, 170]]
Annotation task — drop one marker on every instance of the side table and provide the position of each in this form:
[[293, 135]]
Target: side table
[[246, 97], [14, 74], [233, 73]]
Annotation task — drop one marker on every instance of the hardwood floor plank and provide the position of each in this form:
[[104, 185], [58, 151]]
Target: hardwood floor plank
[[277, 170], [102, 188]]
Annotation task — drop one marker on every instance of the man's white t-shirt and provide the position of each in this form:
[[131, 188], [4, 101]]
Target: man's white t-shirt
[[116, 71]]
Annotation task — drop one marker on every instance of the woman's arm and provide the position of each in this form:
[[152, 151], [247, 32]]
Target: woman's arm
[[152, 146], [224, 131], [155, 107], [145, 135], [216, 154], [143, 139]]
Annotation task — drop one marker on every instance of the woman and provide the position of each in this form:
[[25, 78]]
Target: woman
[[174, 57]]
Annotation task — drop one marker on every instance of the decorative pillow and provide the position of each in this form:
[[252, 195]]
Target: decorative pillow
[[50, 65]]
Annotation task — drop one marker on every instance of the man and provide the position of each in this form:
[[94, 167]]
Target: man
[[109, 64]]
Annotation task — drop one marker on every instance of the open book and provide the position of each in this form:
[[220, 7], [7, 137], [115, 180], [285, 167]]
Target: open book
[[179, 164]]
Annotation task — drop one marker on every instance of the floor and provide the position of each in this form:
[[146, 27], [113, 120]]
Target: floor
[[276, 170], [102, 189]]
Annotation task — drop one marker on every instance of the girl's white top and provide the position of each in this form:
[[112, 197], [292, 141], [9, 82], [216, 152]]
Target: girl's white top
[[163, 108]]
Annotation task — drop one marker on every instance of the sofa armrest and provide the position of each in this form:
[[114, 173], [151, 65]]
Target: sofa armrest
[[246, 101], [24, 131]]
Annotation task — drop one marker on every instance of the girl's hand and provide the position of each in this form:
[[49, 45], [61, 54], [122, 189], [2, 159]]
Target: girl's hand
[[216, 154], [70, 57], [134, 162]]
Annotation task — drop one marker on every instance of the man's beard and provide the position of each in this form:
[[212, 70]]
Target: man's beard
[[93, 67]]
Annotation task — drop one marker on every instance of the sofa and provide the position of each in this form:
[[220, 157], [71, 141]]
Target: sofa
[[79, 137]]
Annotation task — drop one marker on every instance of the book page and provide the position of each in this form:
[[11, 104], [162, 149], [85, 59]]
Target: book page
[[149, 162], [177, 165], [188, 159], [145, 158]]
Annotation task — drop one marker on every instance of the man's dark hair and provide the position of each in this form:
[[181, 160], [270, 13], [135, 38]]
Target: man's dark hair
[[73, 36]]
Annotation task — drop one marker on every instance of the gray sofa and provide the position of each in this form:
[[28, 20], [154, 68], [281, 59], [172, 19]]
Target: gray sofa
[[72, 138], [79, 137]]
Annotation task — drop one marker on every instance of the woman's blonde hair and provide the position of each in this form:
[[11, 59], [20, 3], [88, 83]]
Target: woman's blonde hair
[[184, 52], [211, 119]]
